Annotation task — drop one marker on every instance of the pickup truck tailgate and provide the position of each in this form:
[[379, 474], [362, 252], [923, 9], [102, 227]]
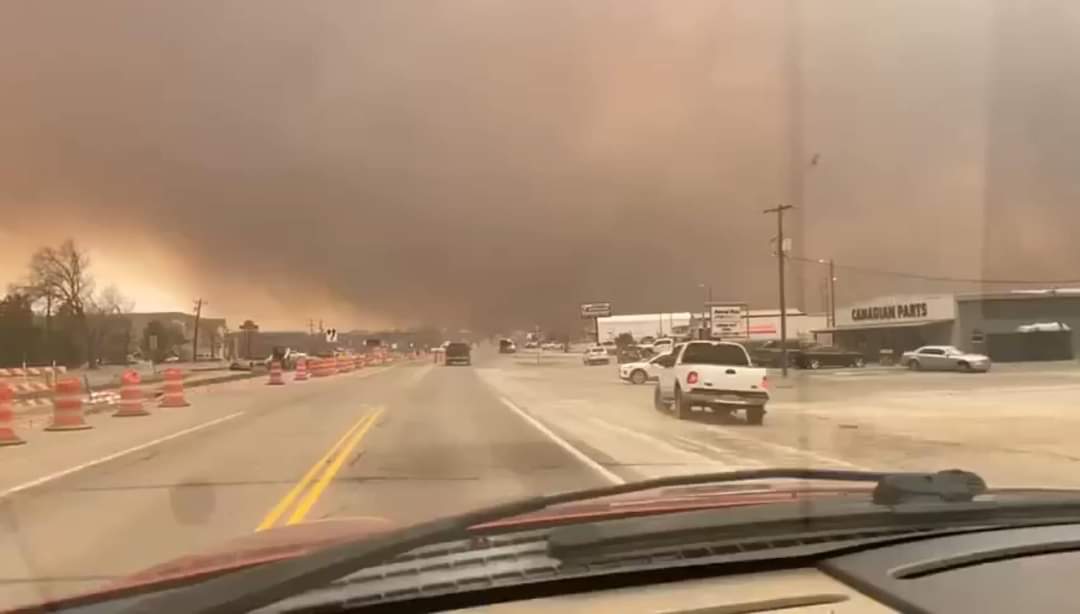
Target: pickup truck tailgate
[[721, 379]]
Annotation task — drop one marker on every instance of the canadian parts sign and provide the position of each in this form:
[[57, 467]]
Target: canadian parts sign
[[729, 321], [917, 308]]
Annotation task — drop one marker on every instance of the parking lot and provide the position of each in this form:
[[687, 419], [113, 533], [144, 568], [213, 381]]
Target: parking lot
[[1014, 425]]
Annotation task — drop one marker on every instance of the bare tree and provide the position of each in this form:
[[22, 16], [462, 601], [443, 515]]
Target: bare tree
[[60, 277], [62, 274]]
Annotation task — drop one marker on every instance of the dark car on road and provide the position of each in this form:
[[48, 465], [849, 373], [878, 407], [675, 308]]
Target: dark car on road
[[817, 356], [805, 355], [458, 353]]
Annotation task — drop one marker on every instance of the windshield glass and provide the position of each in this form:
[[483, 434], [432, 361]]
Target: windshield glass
[[293, 267]]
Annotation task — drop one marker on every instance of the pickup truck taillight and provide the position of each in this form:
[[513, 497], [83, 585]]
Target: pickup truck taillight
[[692, 377], [764, 383]]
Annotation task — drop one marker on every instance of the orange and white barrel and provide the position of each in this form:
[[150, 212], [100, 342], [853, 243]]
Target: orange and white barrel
[[7, 417], [276, 376], [131, 396], [173, 390], [68, 406]]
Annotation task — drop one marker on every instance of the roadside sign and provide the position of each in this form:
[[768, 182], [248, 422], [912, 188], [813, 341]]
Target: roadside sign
[[595, 310], [331, 335], [728, 320]]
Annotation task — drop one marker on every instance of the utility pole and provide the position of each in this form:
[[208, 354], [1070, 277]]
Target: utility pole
[[706, 332], [832, 293], [195, 337], [779, 211]]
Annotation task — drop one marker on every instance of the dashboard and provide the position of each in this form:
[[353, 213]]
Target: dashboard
[[1032, 569]]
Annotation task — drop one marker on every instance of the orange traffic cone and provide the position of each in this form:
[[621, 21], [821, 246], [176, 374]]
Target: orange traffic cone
[[275, 374], [173, 389], [131, 397], [301, 371], [7, 417], [68, 406]]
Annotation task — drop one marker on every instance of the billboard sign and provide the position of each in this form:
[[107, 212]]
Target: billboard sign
[[728, 320], [595, 310]]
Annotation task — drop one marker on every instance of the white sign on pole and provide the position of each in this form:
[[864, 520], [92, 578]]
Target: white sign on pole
[[595, 310], [728, 320], [331, 335]]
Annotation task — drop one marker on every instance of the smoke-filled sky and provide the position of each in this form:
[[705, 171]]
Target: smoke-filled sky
[[494, 163]]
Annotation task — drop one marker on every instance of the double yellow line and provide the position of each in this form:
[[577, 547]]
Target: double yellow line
[[330, 464]]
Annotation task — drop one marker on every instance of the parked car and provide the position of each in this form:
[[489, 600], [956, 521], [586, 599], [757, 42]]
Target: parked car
[[944, 358], [711, 374], [506, 346], [595, 355], [663, 346], [817, 356], [641, 371], [609, 347]]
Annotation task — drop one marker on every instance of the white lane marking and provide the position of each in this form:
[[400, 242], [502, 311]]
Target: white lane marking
[[782, 448], [658, 443], [116, 455], [562, 443]]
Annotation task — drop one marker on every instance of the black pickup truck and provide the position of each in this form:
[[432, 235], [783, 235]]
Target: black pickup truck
[[805, 355]]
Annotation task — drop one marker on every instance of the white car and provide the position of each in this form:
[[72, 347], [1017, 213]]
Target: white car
[[595, 355], [663, 346], [641, 371], [944, 358]]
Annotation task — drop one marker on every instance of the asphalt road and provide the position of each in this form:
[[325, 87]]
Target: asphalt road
[[417, 441], [410, 443]]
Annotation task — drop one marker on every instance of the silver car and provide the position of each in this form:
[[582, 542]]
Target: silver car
[[944, 358]]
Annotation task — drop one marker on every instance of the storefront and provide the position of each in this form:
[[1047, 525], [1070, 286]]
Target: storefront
[[897, 323], [973, 323]]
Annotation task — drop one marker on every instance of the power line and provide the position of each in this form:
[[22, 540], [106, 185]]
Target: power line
[[970, 280]]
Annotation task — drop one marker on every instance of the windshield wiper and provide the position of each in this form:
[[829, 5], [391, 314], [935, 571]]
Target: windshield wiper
[[254, 587]]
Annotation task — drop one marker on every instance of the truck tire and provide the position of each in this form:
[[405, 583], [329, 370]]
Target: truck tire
[[858, 363], [755, 415], [638, 377], [914, 365], [681, 406], [658, 402], [813, 363]]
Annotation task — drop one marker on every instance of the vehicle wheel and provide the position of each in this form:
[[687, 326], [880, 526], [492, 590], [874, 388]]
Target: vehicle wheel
[[638, 377], [658, 403], [682, 405], [814, 363], [914, 365], [755, 415], [858, 363], [964, 366]]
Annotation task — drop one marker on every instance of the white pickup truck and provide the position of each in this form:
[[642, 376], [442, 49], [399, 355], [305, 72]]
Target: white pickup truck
[[710, 374]]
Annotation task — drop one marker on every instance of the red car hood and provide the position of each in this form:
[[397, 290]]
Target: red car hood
[[296, 540]]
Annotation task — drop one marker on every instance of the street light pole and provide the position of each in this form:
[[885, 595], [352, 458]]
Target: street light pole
[[779, 211]]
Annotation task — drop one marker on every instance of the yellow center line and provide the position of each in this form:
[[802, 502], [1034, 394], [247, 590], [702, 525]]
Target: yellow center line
[[328, 474], [284, 504]]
